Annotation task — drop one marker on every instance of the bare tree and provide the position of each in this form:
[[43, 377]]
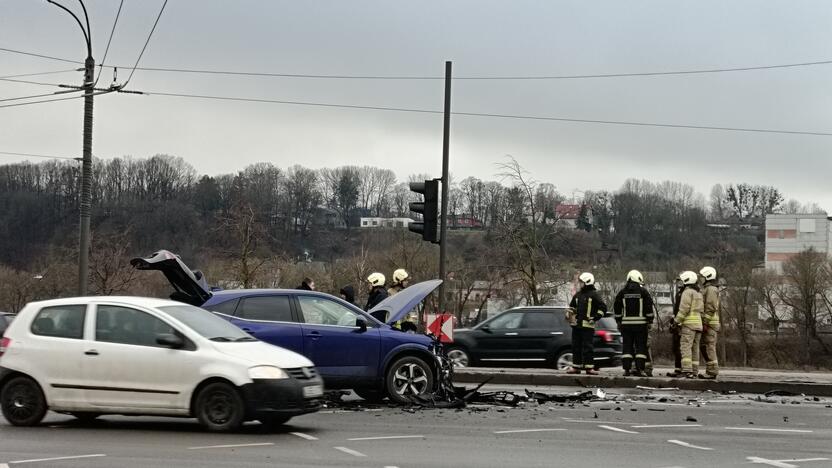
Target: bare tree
[[809, 279], [110, 270]]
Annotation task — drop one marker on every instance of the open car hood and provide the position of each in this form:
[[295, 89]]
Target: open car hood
[[397, 306], [191, 287]]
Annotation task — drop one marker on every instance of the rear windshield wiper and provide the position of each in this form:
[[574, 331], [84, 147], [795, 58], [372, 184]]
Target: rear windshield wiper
[[221, 338], [245, 338]]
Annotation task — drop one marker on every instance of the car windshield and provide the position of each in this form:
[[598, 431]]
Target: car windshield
[[206, 324]]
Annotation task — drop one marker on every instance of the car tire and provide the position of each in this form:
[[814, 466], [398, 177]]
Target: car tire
[[85, 417], [274, 422], [23, 402], [371, 395], [219, 407], [408, 377], [563, 360], [459, 356]]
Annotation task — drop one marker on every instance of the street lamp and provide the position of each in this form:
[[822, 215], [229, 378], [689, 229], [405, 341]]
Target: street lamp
[[86, 167]]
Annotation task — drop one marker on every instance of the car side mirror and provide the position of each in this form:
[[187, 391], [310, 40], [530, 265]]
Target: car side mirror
[[170, 341], [361, 324]]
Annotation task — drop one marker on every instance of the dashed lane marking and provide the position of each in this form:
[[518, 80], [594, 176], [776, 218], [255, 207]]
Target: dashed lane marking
[[517, 431], [388, 437], [596, 421], [782, 463], [764, 429], [685, 444], [303, 436], [350, 451], [35, 460], [262, 444], [617, 429], [657, 426]]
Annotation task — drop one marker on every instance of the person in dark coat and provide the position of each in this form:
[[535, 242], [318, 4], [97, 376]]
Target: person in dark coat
[[307, 284], [348, 294], [585, 309], [377, 294]]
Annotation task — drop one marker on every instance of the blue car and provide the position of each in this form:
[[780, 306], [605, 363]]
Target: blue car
[[350, 348]]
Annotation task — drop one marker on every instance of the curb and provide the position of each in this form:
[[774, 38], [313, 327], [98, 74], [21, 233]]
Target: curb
[[563, 380]]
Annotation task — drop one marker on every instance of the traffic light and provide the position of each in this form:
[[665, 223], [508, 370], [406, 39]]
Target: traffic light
[[429, 209]]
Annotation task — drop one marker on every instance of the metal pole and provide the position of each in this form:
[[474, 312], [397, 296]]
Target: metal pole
[[86, 179], [443, 224]]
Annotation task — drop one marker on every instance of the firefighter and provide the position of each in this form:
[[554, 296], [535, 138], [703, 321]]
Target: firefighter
[[587, 307], [710, 322], [377, 293], [400, 279], [674, 331], [689, 322], [633, 308]]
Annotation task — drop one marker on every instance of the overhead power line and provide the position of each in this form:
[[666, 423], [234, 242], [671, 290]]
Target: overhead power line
[[36, 96], [9, 153], [491, 115], [109, 41], [55, 72], [55, 100], [161, 10], [39, 83], [429, 77]]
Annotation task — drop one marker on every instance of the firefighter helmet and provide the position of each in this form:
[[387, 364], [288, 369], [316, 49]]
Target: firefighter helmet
[[400, 275], [635, 276], [376, 279], [709, 273], [587, 279], [688, 277]]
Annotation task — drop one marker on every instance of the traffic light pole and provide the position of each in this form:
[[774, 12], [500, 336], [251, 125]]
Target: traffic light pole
[[443, 223]]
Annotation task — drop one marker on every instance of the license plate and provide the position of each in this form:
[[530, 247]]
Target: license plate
[[313, 391]]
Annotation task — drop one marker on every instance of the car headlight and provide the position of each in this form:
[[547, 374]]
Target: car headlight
[[267, 372]]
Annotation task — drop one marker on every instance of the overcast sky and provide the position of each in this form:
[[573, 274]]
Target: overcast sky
[[482, 38]]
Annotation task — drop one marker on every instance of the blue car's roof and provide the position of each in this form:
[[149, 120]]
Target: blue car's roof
[[228, 294]]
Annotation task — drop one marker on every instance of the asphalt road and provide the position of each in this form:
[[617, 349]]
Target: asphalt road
[[641, 429]]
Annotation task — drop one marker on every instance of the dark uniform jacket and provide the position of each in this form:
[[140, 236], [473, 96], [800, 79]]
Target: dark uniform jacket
[[377, 294], [633, 305], [588, 306]]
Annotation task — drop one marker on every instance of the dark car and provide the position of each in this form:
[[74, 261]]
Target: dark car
[[350, 348], [530, 337], [5, 320]]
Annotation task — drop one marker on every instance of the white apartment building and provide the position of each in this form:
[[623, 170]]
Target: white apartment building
[[385, 222], [790, 234]]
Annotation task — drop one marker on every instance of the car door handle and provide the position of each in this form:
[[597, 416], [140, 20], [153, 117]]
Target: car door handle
[[314, 335], [511, 334], [556, 333], [91, 352]]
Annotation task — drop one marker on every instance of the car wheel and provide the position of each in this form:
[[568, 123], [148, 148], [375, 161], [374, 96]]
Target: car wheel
[[370, 394], [563, 361], [22, 402], [458, 357], [408, 377], [85, 417], [219, 407], [274, 422]]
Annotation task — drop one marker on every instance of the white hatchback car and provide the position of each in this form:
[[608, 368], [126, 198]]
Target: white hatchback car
[[140, 356]]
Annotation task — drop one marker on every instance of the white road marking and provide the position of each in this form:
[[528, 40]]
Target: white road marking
[[655, 426], [782, 463], [303, 436], [389, 437], [262, 444], [528, 430], [685, 444], [596, 421], [617, 429], [657, 403], [58, 458], [3, 465], [763, 429], [350, 451]]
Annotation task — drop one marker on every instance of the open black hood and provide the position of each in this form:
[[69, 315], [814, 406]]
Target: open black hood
[[191, 287]]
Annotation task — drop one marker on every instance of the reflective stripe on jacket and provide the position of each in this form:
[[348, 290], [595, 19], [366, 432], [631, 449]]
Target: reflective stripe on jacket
[[691, 306], [588, 306], [710, 296], [633, 305]]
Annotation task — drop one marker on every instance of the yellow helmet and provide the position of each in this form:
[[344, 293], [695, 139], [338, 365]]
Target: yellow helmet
[[376, 279], [400, 275]]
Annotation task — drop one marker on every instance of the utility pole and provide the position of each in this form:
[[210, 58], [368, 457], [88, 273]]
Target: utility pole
[[86, 164], [443, 223]]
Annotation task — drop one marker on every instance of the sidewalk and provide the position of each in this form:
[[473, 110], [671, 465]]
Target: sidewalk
[[737, 380]]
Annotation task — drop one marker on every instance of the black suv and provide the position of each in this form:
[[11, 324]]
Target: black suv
[[530, 337]]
